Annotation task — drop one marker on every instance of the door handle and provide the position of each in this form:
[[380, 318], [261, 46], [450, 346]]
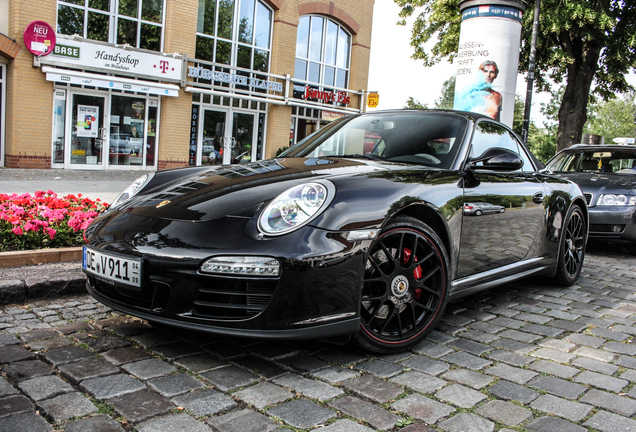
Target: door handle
[[538, 198]]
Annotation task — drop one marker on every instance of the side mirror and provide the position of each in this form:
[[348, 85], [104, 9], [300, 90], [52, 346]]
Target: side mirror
[[497, 159]]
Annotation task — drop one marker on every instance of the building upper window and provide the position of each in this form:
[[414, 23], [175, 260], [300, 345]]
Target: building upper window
[[138, 23], [235, 33], [323, 50]]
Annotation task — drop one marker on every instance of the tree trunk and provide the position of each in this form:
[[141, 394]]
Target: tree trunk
[[580, 74]]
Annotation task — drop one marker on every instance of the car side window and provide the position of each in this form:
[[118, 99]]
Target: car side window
[[488, 135]]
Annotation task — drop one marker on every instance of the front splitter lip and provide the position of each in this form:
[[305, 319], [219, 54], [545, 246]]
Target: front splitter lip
[[344, 327]]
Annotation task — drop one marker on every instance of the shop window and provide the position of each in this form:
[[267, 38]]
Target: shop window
[[138, 23], [323, 49], [304, 122], [235, 33], [59, 123], [132, 134]]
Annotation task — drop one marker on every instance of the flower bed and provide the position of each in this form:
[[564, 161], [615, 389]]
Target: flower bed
[[44, 220]]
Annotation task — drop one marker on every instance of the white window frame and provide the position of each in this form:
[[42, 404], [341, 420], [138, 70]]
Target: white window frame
[[323, 63], [234, 41], [113, 20]]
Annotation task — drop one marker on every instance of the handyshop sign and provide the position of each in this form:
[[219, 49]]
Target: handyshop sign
[[83, 55]]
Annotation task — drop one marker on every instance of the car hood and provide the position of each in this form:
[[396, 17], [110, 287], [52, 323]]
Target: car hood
[[599, 183], [240, 190]]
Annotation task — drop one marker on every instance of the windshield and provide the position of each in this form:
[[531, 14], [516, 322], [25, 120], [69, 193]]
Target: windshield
[[621, 162], [423, 138]]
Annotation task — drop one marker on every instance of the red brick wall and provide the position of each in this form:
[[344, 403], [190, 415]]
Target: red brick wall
[[8, 48], [168, 164], [27, 161]]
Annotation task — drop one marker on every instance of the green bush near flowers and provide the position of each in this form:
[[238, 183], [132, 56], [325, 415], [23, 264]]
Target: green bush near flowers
[[44, 220]]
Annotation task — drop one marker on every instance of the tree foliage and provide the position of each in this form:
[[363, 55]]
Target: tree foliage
[[445, 101], [613, 118], [414, 104], [581, 42]]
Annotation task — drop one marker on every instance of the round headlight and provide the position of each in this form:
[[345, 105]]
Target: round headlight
[[616, 200], [295, 207], [609, 199], [132, 190]]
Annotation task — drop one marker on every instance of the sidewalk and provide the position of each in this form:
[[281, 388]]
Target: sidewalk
[[105, 185]]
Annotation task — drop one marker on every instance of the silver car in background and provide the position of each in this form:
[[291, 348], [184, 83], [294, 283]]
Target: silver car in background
[[477, 209]]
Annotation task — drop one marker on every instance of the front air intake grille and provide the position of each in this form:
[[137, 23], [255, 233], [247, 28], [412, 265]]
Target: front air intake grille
[[588, 198], [606, 228], [232, 299], [138, 298]]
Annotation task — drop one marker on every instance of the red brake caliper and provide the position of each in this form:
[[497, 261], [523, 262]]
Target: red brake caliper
[[417, 273]]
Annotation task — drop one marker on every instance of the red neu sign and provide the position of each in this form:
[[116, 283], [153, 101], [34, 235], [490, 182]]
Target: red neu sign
[[39, 38], [325, 96]]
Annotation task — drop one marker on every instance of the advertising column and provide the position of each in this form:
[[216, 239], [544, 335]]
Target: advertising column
[[488, 57]]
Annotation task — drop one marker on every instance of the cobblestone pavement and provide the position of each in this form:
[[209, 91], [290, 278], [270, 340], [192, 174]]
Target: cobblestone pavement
[[529, 356]]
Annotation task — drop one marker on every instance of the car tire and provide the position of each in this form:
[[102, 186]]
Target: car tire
[[571, 247], [405, 287], [503, 210], [478, 213]]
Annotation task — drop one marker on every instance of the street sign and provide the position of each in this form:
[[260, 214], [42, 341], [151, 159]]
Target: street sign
[[624, 140], [373, 100]]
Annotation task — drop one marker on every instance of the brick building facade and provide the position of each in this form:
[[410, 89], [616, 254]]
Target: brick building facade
[[164, 84]]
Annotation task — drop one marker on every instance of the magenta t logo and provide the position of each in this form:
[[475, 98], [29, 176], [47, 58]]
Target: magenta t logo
[[163, 65]]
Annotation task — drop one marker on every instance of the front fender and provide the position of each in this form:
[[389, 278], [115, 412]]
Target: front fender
[[368, 201]]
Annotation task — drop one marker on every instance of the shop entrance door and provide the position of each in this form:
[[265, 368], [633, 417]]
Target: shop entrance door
[[241, 140], [211, 150], [88, 135], [227, 138]]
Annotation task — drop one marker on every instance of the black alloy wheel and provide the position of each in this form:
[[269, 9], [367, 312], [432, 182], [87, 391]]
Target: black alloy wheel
[[405, 286], [572, 247]]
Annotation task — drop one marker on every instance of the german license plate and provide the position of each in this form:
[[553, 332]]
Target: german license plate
[[111, 267]]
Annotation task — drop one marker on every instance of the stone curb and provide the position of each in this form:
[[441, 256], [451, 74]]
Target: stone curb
[[40, 256], [23, 291], [40, 282]]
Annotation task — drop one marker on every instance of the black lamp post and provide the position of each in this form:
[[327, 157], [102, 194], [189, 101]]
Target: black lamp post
[[531, 68]]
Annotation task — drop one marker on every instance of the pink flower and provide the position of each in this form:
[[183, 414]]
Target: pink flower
[[17, 231], [51, 232], [30, 226]]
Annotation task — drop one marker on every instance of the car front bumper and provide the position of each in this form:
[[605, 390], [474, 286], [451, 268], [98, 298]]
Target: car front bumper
[[317, 293], [613, 223]]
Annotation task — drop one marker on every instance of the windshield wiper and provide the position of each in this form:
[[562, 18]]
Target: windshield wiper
[[358, 156]]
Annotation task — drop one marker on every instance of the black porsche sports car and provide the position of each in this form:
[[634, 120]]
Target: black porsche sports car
[[607, 177], [357, 230]]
